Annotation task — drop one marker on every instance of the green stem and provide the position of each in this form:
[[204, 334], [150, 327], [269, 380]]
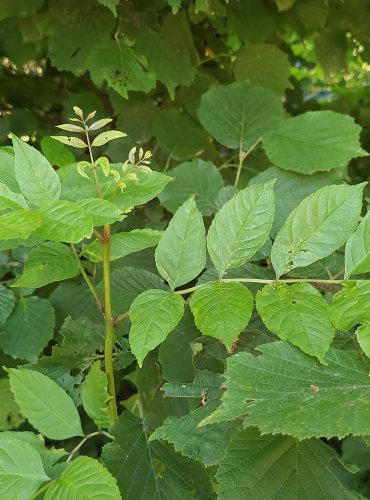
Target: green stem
[[242, 157], [109, 325], [268, 282], [83, 441], [42, 490], [88, 280]]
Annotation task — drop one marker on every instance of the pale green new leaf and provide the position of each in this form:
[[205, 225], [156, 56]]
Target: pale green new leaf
[[75, 142], [222, 310], [95, 397], [241, 227], [299, 314], [37, 179], [285, 391], [198, 177], [47, 263], [10, 417], [107, 136], [153, 315], [47, 407], [320, 224], [181, 252], [314, 141], [18, 224], [123, 244], [64, 221], [239, 114], [357, 255], [28, 330], [279, 467], [21, 470], [101, 211], [7, 303], [351, 307], [84, 478], [206, 444]]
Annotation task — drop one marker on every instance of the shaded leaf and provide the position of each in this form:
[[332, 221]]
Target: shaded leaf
[[10, 416], [7, 303], [95, 397]]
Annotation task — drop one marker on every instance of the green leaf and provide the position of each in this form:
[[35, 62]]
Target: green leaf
[[204, 384], [241, 227], [28, 329], [101, 211], [85, 477], [331, 47], [21, 470], [222, 310], [357, 256], [75, 142], [197, 177], [264, 65], [123, 244], [10, 417], [299, 314], [111, 5], [351, 307], [285, 391], [314, 141], [239, 114], [275, 467], [181, 253], [320, 224], [10, 200], [153, 315], [163, 473], [7, 303], [18, 224], [95, 397], [47, 263], [48, 408], [64, 221], [56, 153], [206, 444], [36, 177], [107, 136]]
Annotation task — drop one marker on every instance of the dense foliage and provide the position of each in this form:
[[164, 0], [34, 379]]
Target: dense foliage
[[185, 292]]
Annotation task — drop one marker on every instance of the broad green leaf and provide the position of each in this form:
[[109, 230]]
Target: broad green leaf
[[320, 224], [84, 477], [181, 253], [7, 169], [331, 48], [123, 244], [242, 21], [48, 455], [95, 397], [153, 315], [21, 470], [241, 227], [107, 136], [48, 408], [56, 153], [299, 314], [351, 307], [277, 467], [314, 141], [64, 221], [239, 114], [197, 177], [10, 417], [10, 200], [18, 224], [285, 391], [75, 142], [264, 65], [36, 177], [7, 303], [206, 444], [222, 310], [163, 474], [101, 211], [28, 329], [204, 384], [47, 263], [357, 256], [291, 188]]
